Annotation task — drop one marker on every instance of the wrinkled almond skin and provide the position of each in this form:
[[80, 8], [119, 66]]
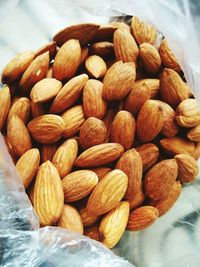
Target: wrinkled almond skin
[[65, 156], [122, 74], [70, 219], [93, 103], [15, 68], [149, 121], [194, 134], [93, 132], [153, 86], [131, 164], [125, 46], [142, 218], [137, 200], [121, 25], [21, 108], [9, 148], [108, 119], [18, 136], [113, 224], [50, 47], [46, 129], [27, 166], [160, 179], [45, 90], [164, 205], [177, 145], [99, 155], [48, 151], [92, 232], [68, 95], [101, 171], [167, 56], [187, 168], [123, 129], [150, 58], [87, 218], [73, 119], [37, 109], [79, 184], [67, 60], [172, 87], [149, 154], [48, 194], [102, 49], [105, 32], [108, 193], [5, 103], [196, 152], [95, 66]]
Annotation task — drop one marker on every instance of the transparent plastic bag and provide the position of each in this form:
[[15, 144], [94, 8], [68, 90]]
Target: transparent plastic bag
[[174, 240]]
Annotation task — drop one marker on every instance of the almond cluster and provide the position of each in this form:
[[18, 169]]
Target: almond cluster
[[102, 127]]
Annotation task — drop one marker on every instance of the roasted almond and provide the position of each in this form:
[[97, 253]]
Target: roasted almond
[[5, 103], [50, 47], [87, 218], [95, 66], [21, 108], [102, 49], [194, 134], [177, 145], [48, 151]]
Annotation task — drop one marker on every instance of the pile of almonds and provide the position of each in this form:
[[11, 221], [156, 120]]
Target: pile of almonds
[[102, 128]]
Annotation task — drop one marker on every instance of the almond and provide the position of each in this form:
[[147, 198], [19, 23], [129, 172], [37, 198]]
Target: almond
[[131, 164], [168, 58], [30, 191], [67, 60], [121, 25], [149, 121], [123, 129], [99, 155], [18, 136], [9, 148], [65, 156], [93, 103], [21, 108], [108, 193], [142, 218], [188, 113], [95, 66], [73, 118], [78, 184], [125, 46], [50, 71], [172, 87], [48, 194], [187, 168], [37, 109], [87, 218], [196, 152], [15, 68], [45, 90], [92, 232], [105, 33], [47, 128], [50, 47], [160, 179], [137, 199], [150, 58], [83, 32], [119, 74], [142, 32], [108, 119], [48, 151], [27, 166], [113, 225], [84, 54], [70, 219], [5, 103], [35, 72], [93, 132], [102, 49], [149, 154], [153, 86], [177, 145], [68, 95], [194, 134], [101, 171], [164, 205]]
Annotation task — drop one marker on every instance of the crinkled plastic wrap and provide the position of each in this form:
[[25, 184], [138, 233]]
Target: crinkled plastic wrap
[[174, 240]]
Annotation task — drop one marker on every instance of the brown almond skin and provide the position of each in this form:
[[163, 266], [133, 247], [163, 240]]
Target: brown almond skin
[[37, 109], [194, 134], [123, 129], [177, 145], [102, 49], [95, 66], [164, 205], [92, 232], [87, 218], [160, 179], [69, 93], [15, 68], [108, 119], [9, 148], [142, 218], [108, 193], [101, 171], [187, 168], [84, 54], [137, 200], [48, 151], [149, 154], [105, 32], [79, 184], [18, 136], [93, 132], [121, 25], [93, 103], [149, 121], [5, 103], [46, 129], [196, 152], [27, 166], [21, 108], [99, 155], [50, 47]]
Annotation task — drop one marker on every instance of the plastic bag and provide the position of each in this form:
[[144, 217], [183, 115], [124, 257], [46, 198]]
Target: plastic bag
[[174, 240]]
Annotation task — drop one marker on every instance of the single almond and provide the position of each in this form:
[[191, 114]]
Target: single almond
[[50, 71], [37, 109], [21, 108], [79, 184], [48, 151], [95, 66], [194, 134], [121, 25], [137, 200], [101, 171], [108, 193], [87, 218], [153, 86], [50, 47], [102, 49], [92, 232], [108, 119], [196, 152], [84, 54], [105, 32], [65, 156], [47, 128], [5, 103], [99, 155], [27, 166], [9, 148]]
